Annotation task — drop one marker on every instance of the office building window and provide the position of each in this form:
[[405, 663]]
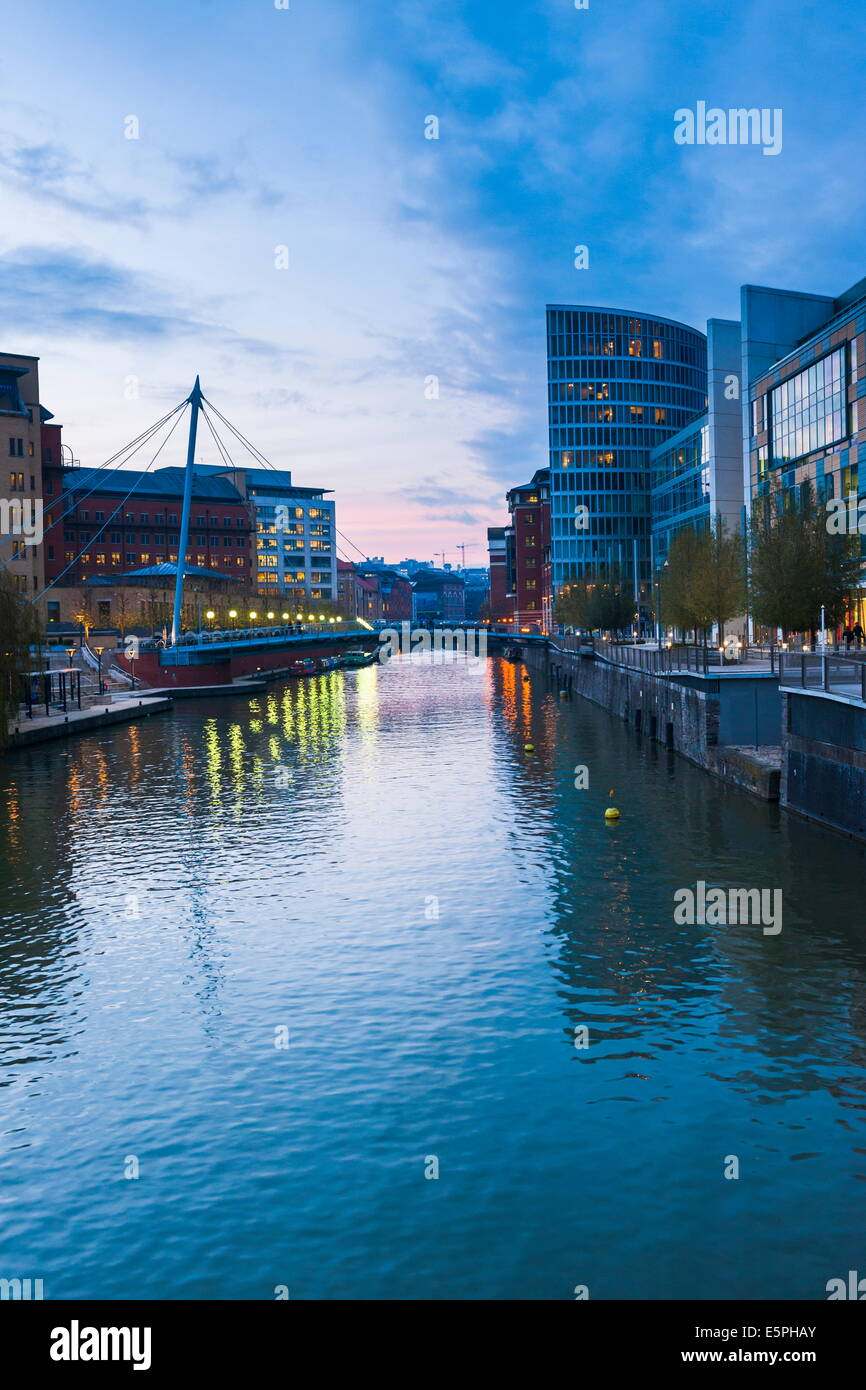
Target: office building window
[[809, 410]]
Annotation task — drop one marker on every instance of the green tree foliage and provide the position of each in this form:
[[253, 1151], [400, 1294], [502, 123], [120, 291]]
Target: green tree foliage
[[704, 581], [797, 565], [19, 629], [596, 602]]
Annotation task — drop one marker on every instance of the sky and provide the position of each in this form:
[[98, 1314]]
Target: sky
[[394, 350]]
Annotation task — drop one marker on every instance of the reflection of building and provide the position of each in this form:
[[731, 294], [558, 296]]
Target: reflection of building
[[620, 384], [529, 571], [804, 365], [21, 481], [697, 473], [438, 596]]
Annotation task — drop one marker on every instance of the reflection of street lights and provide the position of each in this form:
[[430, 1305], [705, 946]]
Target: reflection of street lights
[[99, 651]]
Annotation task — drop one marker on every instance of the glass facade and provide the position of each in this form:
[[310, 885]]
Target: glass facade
[[619, 385], [807, 416], [808, 411], [679, 487], [295, 548]]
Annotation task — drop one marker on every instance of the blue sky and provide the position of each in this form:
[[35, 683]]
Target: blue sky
[[409, 258]]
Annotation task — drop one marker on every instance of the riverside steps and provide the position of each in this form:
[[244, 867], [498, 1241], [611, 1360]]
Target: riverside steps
[[723, 715]]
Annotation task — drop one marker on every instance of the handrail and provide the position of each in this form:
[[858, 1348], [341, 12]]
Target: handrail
[[680, 657], [824, 673]]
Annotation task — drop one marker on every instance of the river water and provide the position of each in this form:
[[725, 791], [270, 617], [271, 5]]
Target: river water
[[270, 964]]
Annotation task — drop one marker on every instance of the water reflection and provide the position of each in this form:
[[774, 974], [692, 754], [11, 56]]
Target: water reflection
[[373, 861]]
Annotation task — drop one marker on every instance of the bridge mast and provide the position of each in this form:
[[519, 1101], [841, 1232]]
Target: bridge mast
[[194, 399]]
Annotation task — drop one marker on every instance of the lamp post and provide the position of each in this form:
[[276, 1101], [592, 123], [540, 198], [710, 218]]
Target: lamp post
[[70, 652], [99, 651]]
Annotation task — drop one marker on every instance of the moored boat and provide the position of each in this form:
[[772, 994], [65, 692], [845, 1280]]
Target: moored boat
[[328, 663], [304, 666], [357, 657]]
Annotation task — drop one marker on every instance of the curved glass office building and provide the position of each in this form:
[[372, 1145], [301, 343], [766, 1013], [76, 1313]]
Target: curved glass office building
[[619, 384]]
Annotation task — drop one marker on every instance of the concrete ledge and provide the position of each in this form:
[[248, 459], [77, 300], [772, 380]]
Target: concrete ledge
[[25, 732], [756, 770]]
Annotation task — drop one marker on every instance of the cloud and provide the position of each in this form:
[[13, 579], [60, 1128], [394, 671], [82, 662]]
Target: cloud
[[50, 174], [447, 503], [209, 176], [510, 456], [53, 290]]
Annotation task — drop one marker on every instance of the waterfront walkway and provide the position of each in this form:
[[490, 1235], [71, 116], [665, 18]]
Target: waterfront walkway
[[42, 729], [822, 672]]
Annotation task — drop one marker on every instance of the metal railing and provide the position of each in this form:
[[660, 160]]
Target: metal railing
[[823, 672], [679, 657]]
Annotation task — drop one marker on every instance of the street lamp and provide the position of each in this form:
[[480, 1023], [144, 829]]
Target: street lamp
[[659, 623], [99, 651]]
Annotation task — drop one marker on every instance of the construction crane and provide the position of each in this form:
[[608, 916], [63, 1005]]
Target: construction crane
[[463, 547]]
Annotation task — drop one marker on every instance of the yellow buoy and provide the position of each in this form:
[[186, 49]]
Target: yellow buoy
[[529, 747], [611, 813]]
